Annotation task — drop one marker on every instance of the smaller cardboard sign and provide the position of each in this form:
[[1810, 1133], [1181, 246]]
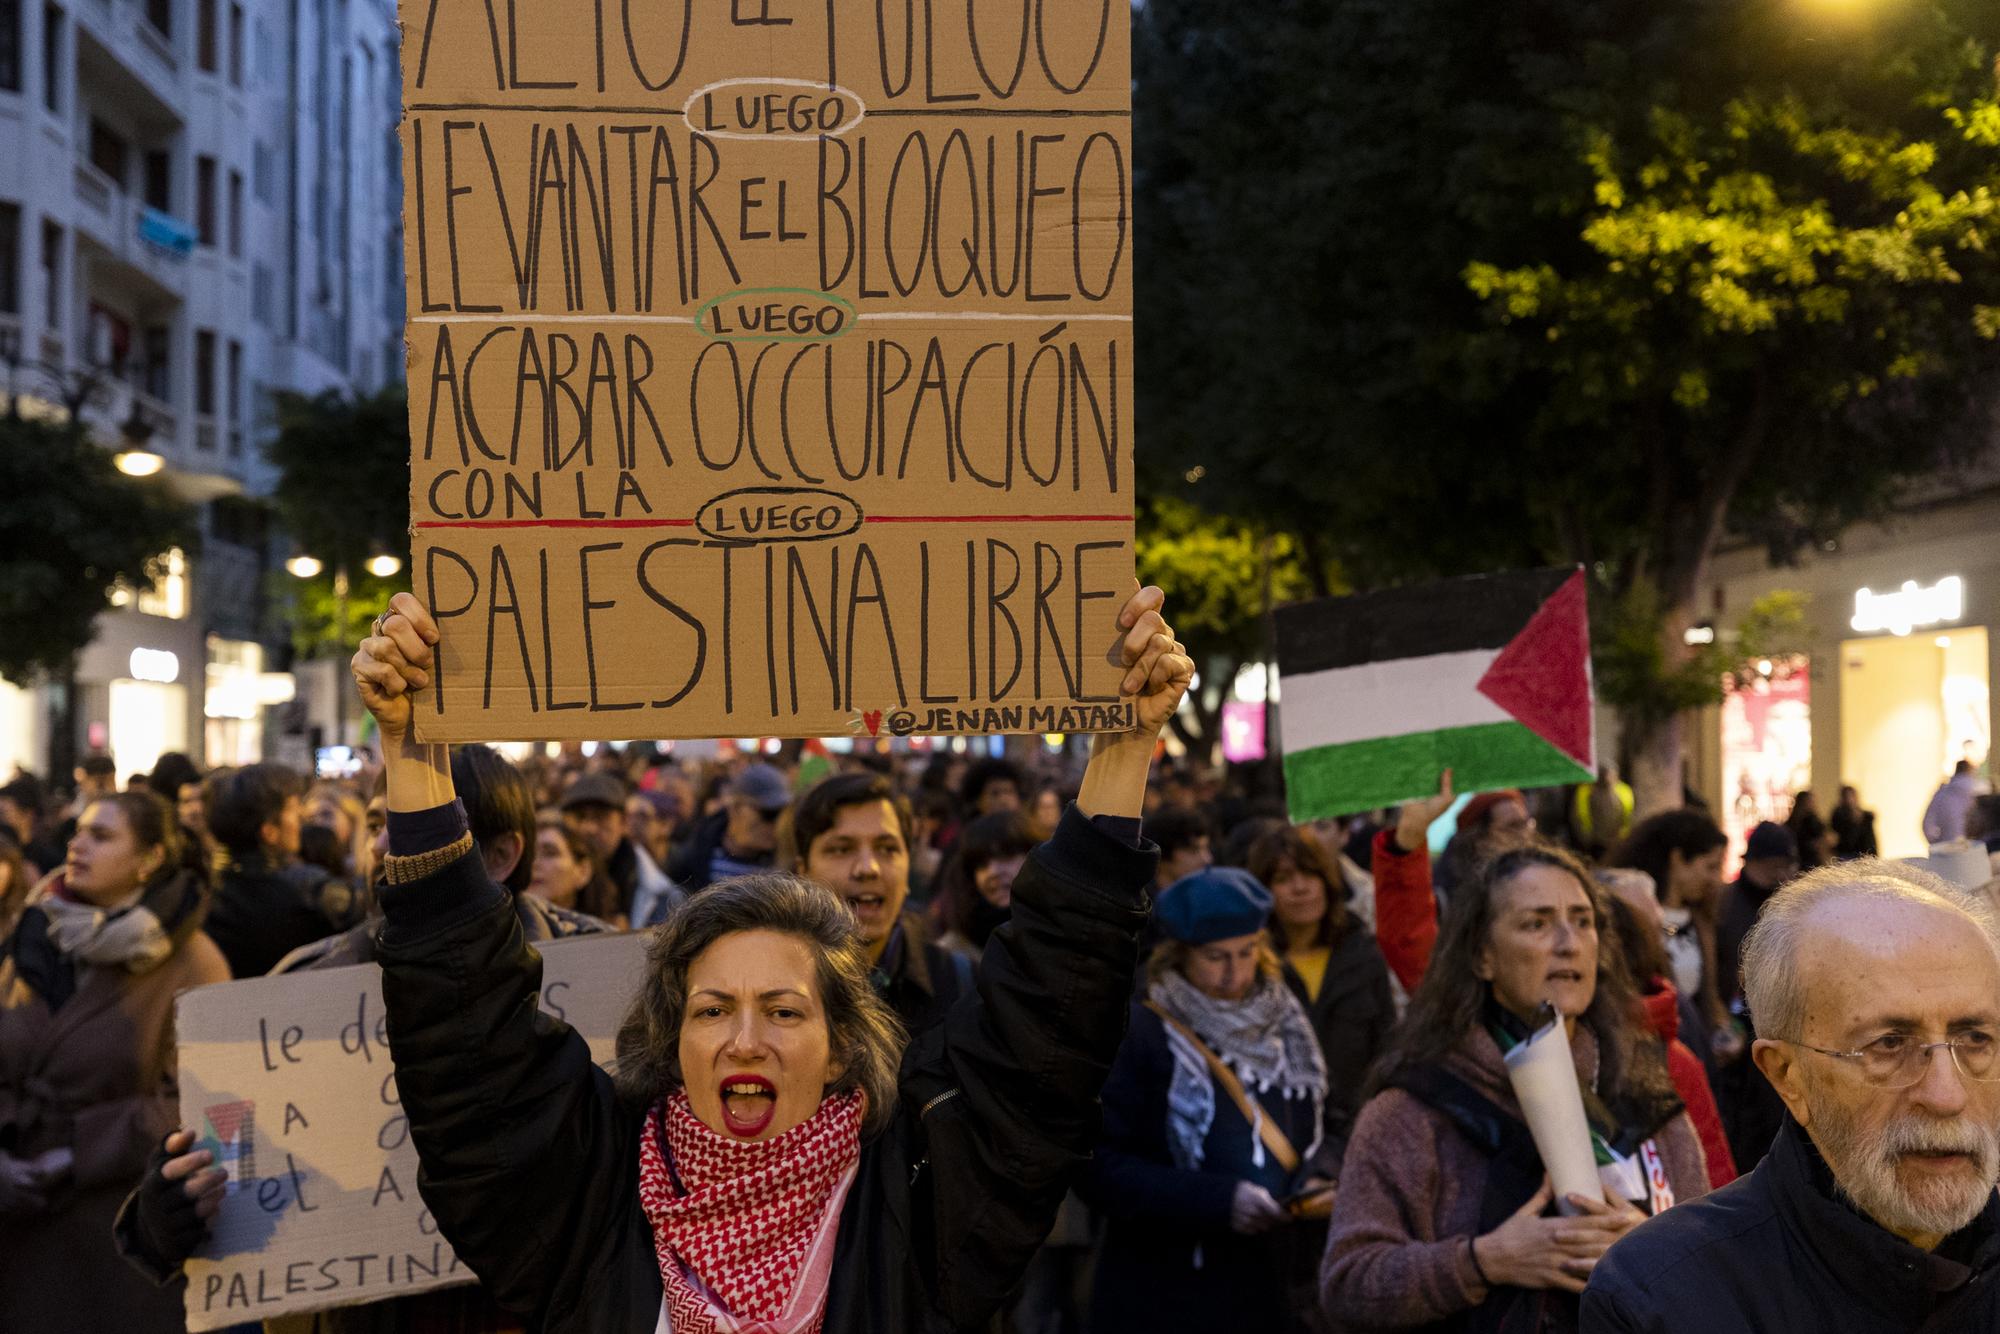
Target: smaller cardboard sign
[[1488, 676], [288, 1080]]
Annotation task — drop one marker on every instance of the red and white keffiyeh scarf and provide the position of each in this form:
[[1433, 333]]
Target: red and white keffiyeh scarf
[[744, 1230]]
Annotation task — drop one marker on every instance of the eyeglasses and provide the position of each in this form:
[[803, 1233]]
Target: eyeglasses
[[1896, 1060]]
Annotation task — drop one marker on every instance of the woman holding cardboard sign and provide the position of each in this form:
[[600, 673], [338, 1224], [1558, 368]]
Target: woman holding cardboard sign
[[767, 1155], [1440, 1216]]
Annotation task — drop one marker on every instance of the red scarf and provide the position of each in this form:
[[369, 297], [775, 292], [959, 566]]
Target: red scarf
[[744, 1229]]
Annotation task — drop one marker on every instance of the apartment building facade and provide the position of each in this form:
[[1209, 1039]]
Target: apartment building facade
[[204, 211]]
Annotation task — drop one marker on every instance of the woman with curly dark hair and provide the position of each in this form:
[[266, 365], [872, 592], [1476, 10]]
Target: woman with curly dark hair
[[1442, 1196]]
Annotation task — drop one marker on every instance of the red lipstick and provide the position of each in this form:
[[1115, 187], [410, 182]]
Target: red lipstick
[[748, 1104]]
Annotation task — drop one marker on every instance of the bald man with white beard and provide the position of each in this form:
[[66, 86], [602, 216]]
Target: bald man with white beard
[[1876, 994]]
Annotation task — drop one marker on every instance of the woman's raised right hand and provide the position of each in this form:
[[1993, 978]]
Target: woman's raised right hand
[[394, 661]]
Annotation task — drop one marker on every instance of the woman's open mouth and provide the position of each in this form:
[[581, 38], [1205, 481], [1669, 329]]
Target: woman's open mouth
[[748, 1104]]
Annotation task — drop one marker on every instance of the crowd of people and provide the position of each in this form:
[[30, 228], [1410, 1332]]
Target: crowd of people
[[1307, 1123]]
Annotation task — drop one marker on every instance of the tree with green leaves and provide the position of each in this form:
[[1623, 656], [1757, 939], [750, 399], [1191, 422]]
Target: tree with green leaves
[[343, 493], [1222, 577], [1458, 287], [72, 529]]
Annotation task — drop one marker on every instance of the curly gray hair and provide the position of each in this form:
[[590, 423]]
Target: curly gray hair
[[865, 1036]]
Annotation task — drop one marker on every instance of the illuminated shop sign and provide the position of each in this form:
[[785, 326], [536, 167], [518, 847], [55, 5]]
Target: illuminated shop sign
[[1911, 607], [155, 664]]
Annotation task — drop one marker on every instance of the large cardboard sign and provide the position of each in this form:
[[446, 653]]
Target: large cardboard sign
[[288, 1080], [1488, 676], [770, 364]]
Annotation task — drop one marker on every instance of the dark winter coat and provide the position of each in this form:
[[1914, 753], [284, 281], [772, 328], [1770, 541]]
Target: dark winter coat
[[1352, 1016], [1752, 1112], [96, 1076], [263, 910], [1170, 1260], [530, 1161], [919, 977], [692, 867], [1778, 1253]]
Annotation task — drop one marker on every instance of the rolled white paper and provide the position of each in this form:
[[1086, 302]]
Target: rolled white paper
[[1544, 1079]]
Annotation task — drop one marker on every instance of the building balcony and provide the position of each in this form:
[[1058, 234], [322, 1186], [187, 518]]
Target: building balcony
[[118, 408], [98, 198], [124, 60], [155, 48], [132, 235]]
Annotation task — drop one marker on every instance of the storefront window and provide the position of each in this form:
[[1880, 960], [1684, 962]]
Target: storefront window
[[1912, 707], [17, 729], [148, 719], [1766, 748], [238, 692]]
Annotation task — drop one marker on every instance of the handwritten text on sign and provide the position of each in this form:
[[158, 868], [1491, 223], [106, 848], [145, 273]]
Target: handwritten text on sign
[[288, 1080], [770, 365]]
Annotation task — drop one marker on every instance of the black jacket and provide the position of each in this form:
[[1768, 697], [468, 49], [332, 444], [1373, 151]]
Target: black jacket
[[1352, 1016], [692, 865], [1742, 902], [920, 978], [1752, 1112], [530, 1161], [263, 910], [1775, 1251], [1856, 831]]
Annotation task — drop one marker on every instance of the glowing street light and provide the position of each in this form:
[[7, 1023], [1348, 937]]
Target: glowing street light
[[384, 566], [305, 567], [138, 462]]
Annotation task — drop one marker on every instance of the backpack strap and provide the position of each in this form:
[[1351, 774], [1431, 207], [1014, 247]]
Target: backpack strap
[[1275, 1143]]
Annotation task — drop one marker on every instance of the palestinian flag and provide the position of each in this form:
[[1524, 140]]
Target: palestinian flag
[[1488, 676]]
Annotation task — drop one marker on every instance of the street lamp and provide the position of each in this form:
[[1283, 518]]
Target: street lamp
[[383, 565], [303, 566], [135, 460]]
